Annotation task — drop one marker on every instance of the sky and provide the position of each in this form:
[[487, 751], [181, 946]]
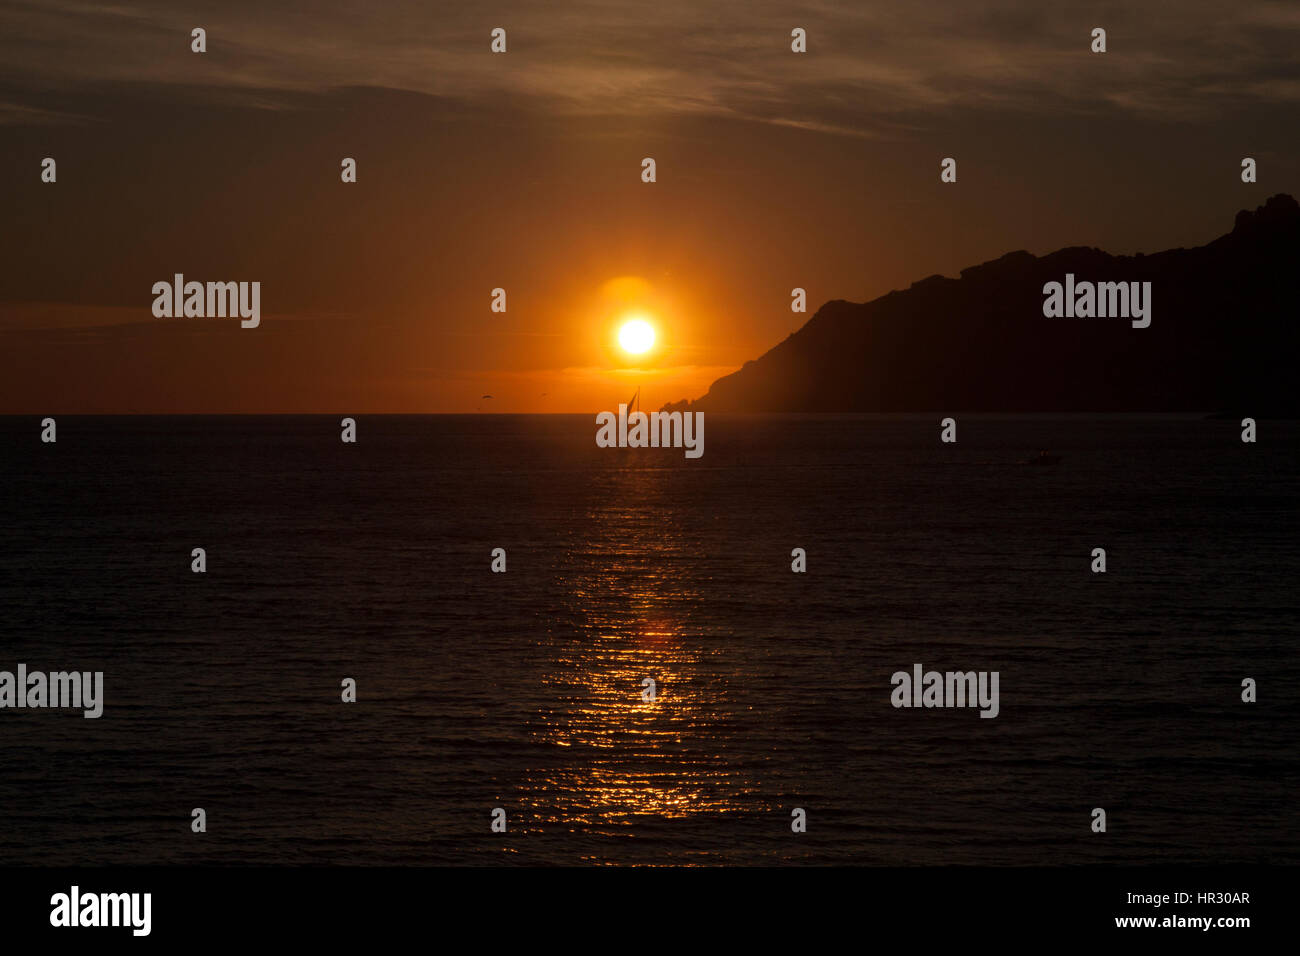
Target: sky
[[522, 171]]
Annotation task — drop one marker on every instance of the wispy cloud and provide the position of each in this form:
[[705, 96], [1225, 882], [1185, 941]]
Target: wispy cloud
[[868, 66]]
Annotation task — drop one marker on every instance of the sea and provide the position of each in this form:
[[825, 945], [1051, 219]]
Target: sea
[[525, 691]]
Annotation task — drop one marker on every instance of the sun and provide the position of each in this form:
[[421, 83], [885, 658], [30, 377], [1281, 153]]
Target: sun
[[636, 336]]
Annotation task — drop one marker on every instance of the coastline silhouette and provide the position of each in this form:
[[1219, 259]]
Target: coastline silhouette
[[1222, 338]]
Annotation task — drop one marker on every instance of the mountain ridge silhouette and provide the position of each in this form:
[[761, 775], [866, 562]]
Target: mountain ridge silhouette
[[1222, 337]]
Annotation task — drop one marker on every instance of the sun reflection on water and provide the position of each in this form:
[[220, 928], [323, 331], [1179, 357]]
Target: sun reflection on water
[[615, 763]]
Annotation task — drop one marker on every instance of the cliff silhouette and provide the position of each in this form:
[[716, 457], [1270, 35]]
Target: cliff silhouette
[[1223, 338]]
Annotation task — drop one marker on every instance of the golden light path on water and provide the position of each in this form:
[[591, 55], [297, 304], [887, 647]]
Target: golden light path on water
[[622, 765]]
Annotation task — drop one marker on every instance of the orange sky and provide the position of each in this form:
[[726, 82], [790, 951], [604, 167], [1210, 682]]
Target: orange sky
[[522, 171]]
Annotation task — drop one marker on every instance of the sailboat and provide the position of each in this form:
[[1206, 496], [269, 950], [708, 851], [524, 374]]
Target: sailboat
[[633, 404]]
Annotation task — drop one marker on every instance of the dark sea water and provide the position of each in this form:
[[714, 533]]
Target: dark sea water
[[522, 690]]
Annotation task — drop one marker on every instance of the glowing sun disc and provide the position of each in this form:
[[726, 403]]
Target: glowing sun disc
[[636, 336]]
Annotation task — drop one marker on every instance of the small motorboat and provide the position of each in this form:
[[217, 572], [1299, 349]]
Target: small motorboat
[[1043, 458]]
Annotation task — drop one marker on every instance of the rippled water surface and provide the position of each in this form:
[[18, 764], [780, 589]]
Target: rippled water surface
[[523, 690]]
